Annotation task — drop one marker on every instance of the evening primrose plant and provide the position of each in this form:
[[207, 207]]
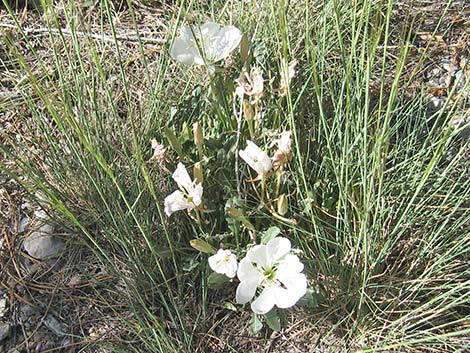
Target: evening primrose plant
[[269, 275], [275, 122]]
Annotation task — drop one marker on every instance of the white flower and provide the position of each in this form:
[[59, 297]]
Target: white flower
[[284, 143], [224, 262], [256, 158], [274, 270], [252, 85], [158, 151], [188, 197], [287, 73], [216, 43], [283, 153]]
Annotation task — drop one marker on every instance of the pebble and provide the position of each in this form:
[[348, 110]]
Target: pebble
[[54, 325], [5, 330], [22, 225], [42, 245]]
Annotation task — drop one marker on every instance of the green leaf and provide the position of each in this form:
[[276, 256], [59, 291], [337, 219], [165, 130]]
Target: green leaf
[[237, 214], [310, 299], [273, 320], [186, 133], [269, 234], [174, 143], [190, 264], [216, 280], [255, 325], [230, 306], [282, 317]]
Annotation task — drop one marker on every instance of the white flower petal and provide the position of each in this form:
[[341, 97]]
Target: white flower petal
[[278, 247], [246, 290], [246, 157], [285, 298], [225, 42], [196, 194], [209, 30], [295, 284], [258, 254], [256, 158], [182, 178], [247, 272], [215, 42], [265, 302], [291, 265], [182, 52], [184, 49], [176, 202], [284, 143], [230, 268]]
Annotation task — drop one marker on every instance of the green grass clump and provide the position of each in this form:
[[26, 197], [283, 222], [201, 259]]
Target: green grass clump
[[377, 186]]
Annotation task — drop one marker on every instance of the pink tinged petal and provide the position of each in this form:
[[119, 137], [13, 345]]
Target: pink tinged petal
[[277, 248], [176, 202], [289, 266], [258, 254], [182, 178], [265, 302], [284, 143], [246, 290], [247, 271]]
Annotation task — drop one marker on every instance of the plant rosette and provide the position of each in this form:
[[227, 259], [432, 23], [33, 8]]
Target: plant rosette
[[276, 274]]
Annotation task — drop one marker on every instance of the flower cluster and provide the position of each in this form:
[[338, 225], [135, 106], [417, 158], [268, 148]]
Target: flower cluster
[[269, 275], [269, 269]]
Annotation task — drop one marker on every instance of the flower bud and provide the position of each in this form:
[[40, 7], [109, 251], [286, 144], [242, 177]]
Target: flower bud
[[248, 111], [198, 136], [197, 172], [202, 246], [282, 204]]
